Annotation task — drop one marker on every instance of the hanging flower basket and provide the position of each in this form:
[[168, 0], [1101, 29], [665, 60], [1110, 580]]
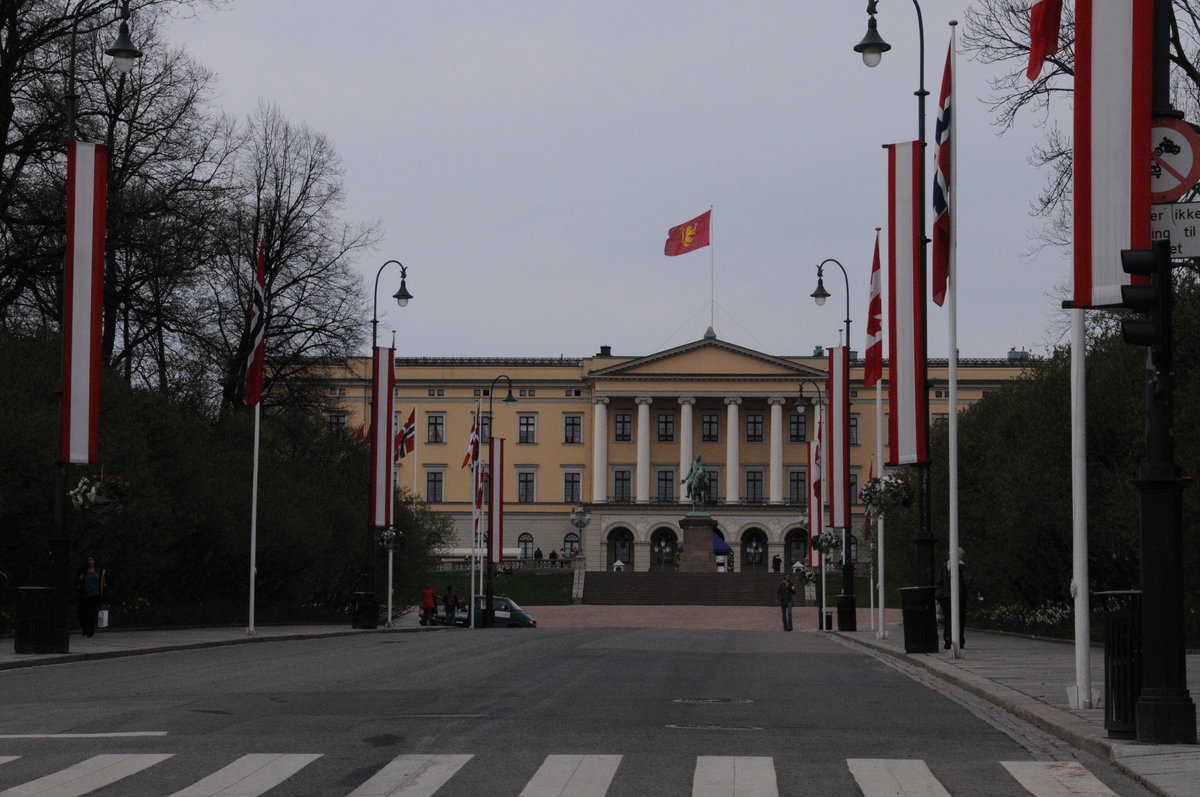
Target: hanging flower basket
[[805, 574], [886, 493], [100, 492], [827, 542]]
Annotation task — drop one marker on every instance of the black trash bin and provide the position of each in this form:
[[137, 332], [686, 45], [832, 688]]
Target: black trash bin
[[1122, 660], [920, 619], [33, 620], [365, 611]]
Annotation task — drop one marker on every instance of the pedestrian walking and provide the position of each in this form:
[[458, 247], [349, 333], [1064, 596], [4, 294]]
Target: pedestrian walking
[[428, 605], [90, 586], [450, 604], [785, 593], [966, 587]]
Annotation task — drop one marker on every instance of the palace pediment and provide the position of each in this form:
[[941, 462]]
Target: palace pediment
[[706, 359]]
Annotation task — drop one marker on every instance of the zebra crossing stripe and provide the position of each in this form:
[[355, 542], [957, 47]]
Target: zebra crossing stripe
[[734, 776], [411, 776], [884, 777], [573, 776], [86, 776], [249, 776], [1057, 779], [4, 759]]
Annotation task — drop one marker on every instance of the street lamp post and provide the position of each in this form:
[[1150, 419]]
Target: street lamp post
[[580, 518], [59, 544], [402, 296], [872, 47], [818, 403], [489, 616], [847, 605]]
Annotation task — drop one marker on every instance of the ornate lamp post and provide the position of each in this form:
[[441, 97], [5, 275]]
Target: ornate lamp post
[[872, 47], [847, 605], [580, 518], [489, 615], [57, 638], [370, 612]]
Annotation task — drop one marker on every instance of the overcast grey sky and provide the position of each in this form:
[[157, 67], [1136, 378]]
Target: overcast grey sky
[[526, 158]]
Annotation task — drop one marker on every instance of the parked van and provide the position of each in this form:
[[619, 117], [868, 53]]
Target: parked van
[[508, 613]]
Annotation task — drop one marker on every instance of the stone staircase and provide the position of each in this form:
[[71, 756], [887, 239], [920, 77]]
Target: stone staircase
[[684, 589]]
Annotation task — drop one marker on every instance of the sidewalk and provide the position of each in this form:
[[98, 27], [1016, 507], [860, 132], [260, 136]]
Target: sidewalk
[[1029, 679]]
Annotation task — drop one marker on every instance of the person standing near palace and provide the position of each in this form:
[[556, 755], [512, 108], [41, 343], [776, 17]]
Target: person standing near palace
[[966, 587], [90, 584], [785, 593], [428, 605]]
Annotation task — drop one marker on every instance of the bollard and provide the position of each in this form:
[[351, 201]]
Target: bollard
[[1122, 660]]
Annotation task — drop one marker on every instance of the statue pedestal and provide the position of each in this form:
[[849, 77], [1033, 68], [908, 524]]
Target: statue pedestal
[[697, 555]]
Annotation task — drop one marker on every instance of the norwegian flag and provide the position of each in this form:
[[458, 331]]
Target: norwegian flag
[[472, 455], [257, 329], [406, 441], [873, 358], [942, 186], [867, 513], [1045, 16], [814, 495], [83, 301], [383, 380]]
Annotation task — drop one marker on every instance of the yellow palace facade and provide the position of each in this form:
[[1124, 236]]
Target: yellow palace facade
[[612, 436]]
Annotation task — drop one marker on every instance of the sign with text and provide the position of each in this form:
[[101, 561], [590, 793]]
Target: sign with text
[[1179, 223]]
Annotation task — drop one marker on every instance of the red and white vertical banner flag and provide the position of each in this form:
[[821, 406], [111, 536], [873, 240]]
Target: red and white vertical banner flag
[[383, 382], [907, 397], [83, 300], [471, 459], [1114, 44], [257, 326], [496, 500], [873, 356], [943, 189], [839, 437], [815, 513]]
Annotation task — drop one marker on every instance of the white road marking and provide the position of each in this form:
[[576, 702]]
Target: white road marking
[[411, 776], [124, 735], [249, 776], [1057, 779], [734, 776], [883, 777], [86, 776], [573, 776]]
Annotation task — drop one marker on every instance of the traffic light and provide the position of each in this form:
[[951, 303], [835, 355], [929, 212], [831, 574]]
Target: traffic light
[[1153, 298]]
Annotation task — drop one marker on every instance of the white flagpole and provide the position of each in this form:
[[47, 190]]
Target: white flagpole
[[1079, 515], [882, 632], [952, 323], [254, 518]]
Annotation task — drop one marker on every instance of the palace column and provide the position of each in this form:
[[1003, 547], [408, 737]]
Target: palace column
[[776, 491], [600, 451], [685, 437], [733, 465], [643, 448]]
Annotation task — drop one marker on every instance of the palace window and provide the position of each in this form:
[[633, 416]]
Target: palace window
[[435, 428], [622, 485], [797, 486], [622, 427], [754, 427], [485, 428], [526, 428], [854, 499], [666, 427], [525, 486], [434, 486], [525, 545], [754, 486], [798, 428], [714, 481], [666, 485], [710, 428], [337, 420], [572, 481], [571, 544], [854, 429], [572, 429]]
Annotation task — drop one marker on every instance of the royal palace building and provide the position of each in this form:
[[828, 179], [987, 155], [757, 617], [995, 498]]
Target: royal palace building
[[612, 436]]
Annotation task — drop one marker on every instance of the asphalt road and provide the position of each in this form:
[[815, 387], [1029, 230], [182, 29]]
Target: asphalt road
[[664, 712]]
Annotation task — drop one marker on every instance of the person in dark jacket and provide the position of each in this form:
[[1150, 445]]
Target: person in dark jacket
[[785, 593], [90, 586], [966, 587]]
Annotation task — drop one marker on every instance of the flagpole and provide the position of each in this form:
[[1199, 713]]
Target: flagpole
[[254, 518], [1079, 514], [956, 607], [882, 632], [712, 272]]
